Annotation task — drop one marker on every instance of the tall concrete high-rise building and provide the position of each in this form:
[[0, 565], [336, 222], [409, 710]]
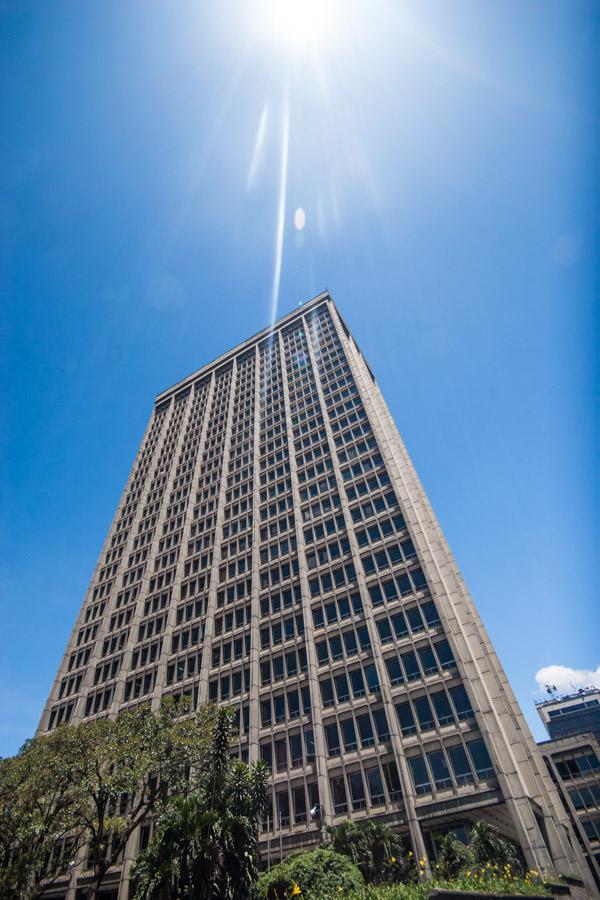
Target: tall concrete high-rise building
[[572, 757], [274, 550]]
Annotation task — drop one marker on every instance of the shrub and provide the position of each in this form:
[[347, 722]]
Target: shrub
[[453, 856], [314, 875], [488, 846], [377, 851]]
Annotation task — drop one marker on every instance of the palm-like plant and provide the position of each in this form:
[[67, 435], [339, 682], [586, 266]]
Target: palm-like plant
[[205, 844]]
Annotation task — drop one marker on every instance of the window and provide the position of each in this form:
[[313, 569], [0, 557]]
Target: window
[[293, 704], [424, 714], [332, 739], [357, 790], [430, 614], [372, 679], [283, 808], [441, 704], [399, 625], [428, 660], [480, 758], [349, 735], [326, 692], [414, 619], [365, 730], [439, 769], [338, 794], [445, 655], [460, 765], [405, 718], [394, 670], [461, 702], [381, 725], [385, 631], [299, 799], [341, 688], [411, 666], [296, 749], [420, 775], [358, 683], [309, 744], [265, 712], [375, 786], [392, 780], [281, 759]]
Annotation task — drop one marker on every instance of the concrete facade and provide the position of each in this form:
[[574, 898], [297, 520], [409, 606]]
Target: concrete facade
[[274, 549], [572, 758]]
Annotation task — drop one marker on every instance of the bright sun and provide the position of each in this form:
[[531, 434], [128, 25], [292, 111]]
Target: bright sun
[[300, 22]]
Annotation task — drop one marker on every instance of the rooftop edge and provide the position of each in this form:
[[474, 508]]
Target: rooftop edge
[[244, 345]]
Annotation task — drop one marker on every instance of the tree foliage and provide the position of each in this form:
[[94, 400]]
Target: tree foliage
[[313, 875], [205, 844], [486, 847], [378, 851], [91, 786], [39, 830]]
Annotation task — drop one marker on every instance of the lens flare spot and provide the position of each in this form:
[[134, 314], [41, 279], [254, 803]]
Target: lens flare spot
[[299, 219]]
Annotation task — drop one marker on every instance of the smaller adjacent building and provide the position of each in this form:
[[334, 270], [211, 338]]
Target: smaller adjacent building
[[572, 756]]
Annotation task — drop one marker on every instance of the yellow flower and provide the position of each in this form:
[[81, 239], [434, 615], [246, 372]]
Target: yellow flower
[[339, 889], [410, 853], [295, 890], [392, 859]]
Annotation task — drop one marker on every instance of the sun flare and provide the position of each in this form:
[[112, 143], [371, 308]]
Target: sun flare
[[301, 23]]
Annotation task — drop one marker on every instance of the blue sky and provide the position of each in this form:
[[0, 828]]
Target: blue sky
[[152, 158]]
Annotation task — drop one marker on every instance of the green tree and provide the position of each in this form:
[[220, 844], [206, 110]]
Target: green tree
[[92, 785], [205, 844], [311, 875], [488, 846], [372, 846], [453, 856], [40, 834]]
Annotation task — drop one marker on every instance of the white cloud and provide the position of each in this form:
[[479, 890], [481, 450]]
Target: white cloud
[[566, 679]]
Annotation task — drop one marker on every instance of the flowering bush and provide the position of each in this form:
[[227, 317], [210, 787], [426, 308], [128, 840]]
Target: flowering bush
[[376, 849], [496, 879], [314, 875]]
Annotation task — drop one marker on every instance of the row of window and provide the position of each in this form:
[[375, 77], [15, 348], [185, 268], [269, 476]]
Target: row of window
[[272, 669], [431, 769], [419, 711], [350, 786], [284, 630], [362, 727], [229, 685], [289, 751], [429, 659], [411, 620], [585, 797], [578, 766], [337, 610], [285, 706]]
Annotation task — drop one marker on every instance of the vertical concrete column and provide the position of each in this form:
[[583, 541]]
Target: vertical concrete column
[[185, 537], [254, 716], [313, 677], [118, 697], [132, 844], [386, 694], [216, 560]]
